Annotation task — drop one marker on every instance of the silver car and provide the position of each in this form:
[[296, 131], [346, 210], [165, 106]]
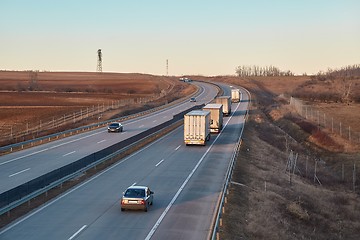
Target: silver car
[[137, 197]]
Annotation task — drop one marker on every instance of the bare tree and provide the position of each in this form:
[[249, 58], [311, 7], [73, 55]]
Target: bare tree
[[254, 71], [346, 89], [33, 85]]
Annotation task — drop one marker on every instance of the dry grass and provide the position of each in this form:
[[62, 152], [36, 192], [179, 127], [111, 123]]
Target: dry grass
[[301, 210]]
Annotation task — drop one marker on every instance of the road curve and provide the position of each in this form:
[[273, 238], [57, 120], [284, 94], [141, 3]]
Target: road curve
[[20, 167], [187, 181]]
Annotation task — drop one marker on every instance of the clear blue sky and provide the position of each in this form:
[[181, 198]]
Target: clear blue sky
[[208, 37]]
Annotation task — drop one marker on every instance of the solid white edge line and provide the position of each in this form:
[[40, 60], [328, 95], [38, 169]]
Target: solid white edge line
[[19, 172], [162, 216], [78, 231], [2, 231], [159, 163]]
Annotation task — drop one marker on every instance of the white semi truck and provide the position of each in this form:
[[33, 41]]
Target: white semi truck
[[197, 127], [226, 102], [235, 95], [216, 116]]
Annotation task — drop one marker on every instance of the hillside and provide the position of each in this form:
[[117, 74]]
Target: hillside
[[293, 180]]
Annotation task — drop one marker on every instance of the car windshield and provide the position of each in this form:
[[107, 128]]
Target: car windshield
[[135, 193], [114, 125]]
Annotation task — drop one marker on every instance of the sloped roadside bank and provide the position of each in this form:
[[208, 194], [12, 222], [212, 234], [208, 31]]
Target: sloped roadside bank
[[263, 204]]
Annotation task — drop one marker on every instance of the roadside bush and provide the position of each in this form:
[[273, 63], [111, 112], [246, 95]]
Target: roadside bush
[[325, 140]]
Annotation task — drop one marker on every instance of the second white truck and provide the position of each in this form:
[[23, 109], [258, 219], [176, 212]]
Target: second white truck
[[226, 102], [216, 116], [197, 127]]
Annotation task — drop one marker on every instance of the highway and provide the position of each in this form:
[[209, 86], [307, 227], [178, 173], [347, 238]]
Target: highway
[[187, 182], [20, 167]]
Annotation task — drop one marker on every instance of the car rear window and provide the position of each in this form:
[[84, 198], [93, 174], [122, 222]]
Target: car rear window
[[135, 193]]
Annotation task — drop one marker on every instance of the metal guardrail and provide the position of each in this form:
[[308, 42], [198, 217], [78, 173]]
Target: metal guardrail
[[221, 201], [21, 145], [27, 191], [57, 179]]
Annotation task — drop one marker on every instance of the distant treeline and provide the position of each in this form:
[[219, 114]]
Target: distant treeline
[[349, 71], [255, 71]]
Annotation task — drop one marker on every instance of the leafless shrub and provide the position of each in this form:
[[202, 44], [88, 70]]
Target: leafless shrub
[[295, 209], [325, 140], [20, 87], [340, 200]]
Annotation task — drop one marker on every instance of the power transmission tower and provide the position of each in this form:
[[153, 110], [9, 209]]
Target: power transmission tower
[[99, 61]]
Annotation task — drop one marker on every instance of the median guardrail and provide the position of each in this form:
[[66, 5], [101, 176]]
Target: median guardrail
[[32, 142], [27, 191]]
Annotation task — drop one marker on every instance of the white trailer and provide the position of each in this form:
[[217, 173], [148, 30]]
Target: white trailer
[[216, 116], [226, 102], [235, 95], [197, 127]]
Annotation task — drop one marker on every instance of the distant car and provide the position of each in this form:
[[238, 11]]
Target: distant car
[[137, 197], [115, 127], [192, 99]]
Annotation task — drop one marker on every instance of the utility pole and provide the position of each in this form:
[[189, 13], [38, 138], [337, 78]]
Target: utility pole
[[167, 67]]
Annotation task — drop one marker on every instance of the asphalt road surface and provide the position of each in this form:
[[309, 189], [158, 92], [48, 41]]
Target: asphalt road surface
[[20, 167], [187, 181]]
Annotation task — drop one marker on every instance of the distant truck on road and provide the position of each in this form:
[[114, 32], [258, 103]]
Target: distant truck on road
[[226, 102], [235, 95], [197, 127], [216, 116]]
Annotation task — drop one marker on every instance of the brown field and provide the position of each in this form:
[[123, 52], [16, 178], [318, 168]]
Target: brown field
[[123, 83], [34, 97]]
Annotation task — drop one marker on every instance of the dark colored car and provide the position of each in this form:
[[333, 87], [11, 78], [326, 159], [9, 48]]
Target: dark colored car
[[137, 197], [192, 99], [115, 127]]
